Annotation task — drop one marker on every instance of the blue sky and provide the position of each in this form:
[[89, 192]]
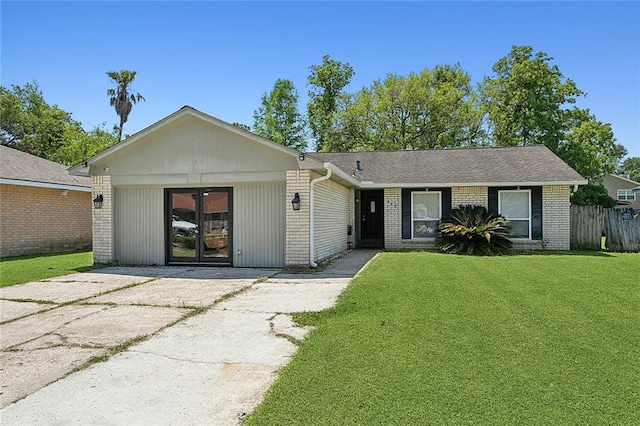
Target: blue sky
[[220, 57]]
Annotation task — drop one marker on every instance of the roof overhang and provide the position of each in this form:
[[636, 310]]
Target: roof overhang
[[375, 185], [50, 185]]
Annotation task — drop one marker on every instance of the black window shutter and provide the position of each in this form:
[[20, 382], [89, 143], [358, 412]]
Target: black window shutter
[[536, 212], [406, 214], [446, 201], [493, 201]]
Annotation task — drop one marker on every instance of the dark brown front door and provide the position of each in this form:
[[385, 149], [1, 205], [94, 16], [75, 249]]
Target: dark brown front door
[[372, 219]]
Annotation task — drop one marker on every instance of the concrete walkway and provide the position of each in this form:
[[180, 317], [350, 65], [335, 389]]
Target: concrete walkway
[[218, 336]]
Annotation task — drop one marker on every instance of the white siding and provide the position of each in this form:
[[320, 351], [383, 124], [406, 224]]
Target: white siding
[[331, 217], [259, 225], [138, 222]]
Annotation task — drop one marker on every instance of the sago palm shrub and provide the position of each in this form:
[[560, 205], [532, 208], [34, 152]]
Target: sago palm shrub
[[473, 230]]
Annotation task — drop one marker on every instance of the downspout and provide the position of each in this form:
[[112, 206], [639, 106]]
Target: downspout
[[311, 209]]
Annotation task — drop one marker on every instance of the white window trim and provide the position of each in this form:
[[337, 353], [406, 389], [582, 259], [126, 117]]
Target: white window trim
[[528, 191], [439, 218], [627, 193]]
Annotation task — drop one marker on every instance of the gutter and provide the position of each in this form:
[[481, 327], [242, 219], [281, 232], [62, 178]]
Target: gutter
[[311, 215]]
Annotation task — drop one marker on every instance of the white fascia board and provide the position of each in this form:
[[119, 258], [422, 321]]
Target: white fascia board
[[365, 184], [622, 178], [343, 175], [45, 185]]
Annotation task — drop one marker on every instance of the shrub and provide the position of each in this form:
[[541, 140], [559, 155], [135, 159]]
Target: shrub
[[593, 195], [473, 230]]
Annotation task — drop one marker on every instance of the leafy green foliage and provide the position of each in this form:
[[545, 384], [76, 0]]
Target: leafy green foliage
[[631, 167], [121, 98], [28, 123], [527, 102], [593, 194], [278, 118], [326, 82], [432, 109], [473, 230]]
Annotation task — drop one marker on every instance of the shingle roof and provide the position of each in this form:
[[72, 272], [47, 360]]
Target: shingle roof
[[18, 165], [509, 165]]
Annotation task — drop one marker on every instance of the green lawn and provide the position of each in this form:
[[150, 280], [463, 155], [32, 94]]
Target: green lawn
[[428, 338], [16, 270]]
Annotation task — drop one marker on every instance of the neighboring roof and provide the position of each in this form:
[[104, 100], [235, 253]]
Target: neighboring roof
[[624, 179], [20, 168], [526, 165]]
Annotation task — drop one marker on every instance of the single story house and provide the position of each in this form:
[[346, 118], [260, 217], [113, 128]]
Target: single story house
[[43, 209], [192, 189], [621, 188]]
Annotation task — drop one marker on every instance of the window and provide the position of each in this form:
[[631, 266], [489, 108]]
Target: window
[[426, 212], [626, 195], [516, 207]]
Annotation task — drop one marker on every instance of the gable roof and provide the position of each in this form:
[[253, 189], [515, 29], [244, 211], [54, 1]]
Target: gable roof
[[84, 167], [525, 165], [20, 168], [623, 179]]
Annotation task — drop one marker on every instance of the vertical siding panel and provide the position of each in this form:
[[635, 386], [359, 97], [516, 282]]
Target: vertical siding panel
[[139, 225], [259, 225]]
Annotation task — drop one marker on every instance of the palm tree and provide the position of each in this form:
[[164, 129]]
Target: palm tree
[[120, 98]]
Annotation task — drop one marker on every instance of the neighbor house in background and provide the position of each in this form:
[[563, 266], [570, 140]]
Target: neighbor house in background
[[42, 207], [191, 189], [620, 188]]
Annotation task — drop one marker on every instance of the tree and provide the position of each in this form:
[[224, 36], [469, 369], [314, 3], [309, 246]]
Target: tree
[[278, 118], [526, 98], [527, 102], [589, 146], [80, 145], [593, 194], [631, 167], [121, 98], [29, 124], [326, 82], [433, 109], [241, 126]]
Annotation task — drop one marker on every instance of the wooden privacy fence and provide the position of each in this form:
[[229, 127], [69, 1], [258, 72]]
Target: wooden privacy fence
[[621, 227]]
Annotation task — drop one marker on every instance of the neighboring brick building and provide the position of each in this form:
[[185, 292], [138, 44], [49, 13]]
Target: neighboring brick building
[[43, 208], [173, 170]]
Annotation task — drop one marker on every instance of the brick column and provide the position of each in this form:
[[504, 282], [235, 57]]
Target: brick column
[[392, 218], [297, 222], [556, 217], [102, 220]]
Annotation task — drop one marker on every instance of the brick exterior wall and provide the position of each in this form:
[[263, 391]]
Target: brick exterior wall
[[297, 222], [102, 220], [43, 220], [392, 218], [473, 195], [556, 217]]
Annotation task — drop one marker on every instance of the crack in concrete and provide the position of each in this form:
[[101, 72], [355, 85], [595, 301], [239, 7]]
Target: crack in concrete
[[193, 361]]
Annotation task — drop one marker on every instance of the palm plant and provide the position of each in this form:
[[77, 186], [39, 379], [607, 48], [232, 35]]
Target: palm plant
[[473, 230], [120, 98]]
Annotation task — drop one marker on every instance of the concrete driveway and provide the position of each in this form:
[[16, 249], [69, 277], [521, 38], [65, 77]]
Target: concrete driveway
[[182, 345]]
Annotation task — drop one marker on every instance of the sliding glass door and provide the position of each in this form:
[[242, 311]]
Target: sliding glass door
[[198, 225]]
